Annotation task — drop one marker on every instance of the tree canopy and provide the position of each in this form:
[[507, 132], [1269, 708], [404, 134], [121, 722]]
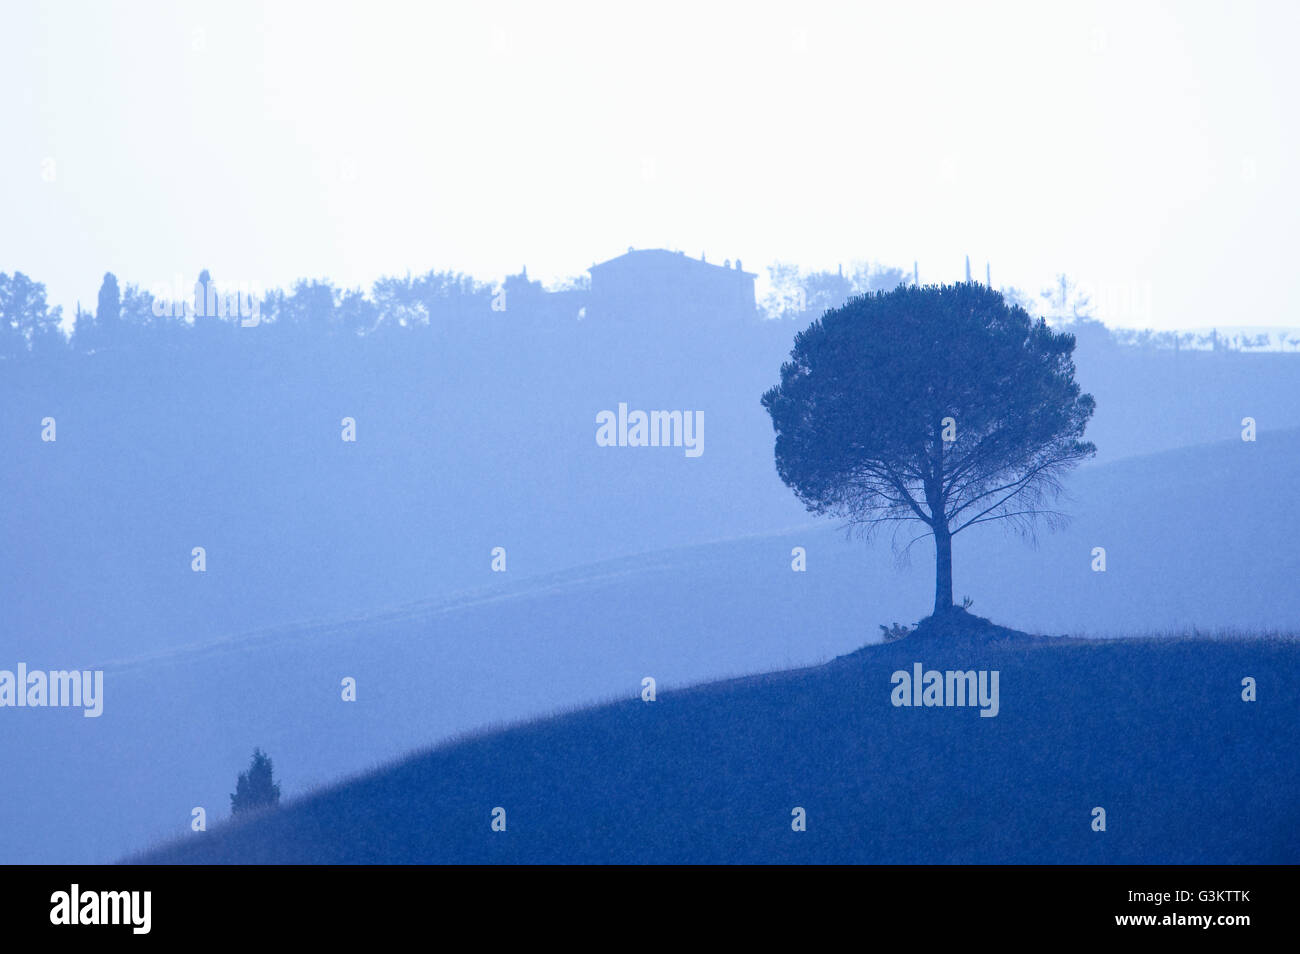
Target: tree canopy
[[938, 404]]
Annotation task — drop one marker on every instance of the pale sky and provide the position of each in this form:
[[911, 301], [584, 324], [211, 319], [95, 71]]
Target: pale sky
[[1148, 149]]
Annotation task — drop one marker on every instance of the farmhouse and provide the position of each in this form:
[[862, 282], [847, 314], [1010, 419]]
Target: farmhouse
[[657, 280]]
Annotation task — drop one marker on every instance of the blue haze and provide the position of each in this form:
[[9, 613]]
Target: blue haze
[[476, 429]]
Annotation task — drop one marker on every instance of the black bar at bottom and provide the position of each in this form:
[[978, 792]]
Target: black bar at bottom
[[333, 903]]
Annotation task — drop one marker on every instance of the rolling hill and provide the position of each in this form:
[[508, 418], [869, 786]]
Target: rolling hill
[[1154, 732], [1187, 550]]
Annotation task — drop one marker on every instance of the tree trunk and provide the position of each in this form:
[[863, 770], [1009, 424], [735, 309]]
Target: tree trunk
[[942, 570]]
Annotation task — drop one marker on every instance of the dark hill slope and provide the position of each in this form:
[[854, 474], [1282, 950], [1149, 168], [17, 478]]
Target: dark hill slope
[[1153, 731]]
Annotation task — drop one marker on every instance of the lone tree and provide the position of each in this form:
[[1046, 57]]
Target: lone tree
[[938, 404], [255, 788]]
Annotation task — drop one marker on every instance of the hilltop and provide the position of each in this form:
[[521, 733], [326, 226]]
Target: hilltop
[[1187, 552], [1153, 731]]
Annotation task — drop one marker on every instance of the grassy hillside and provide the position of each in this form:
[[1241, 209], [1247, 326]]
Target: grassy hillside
[[1185, 547], [1153, 731]]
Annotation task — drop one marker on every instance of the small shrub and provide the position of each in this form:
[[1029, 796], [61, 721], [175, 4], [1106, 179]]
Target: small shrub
[[255, 788], [891, 633]]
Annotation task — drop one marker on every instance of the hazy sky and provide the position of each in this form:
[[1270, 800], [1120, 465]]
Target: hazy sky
[[1149, 149]]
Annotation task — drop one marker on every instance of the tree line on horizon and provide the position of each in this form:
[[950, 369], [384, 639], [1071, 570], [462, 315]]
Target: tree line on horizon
[[127, 314]]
